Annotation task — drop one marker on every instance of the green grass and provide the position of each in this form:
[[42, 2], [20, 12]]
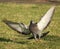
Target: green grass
[[10, 39]]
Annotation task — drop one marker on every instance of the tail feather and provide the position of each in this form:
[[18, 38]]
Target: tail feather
[[44, 34]]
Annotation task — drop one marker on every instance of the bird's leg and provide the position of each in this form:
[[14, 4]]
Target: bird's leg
[[35, 36], [39, 35]]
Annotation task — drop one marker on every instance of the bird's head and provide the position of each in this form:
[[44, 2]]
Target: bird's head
[[32, 22]]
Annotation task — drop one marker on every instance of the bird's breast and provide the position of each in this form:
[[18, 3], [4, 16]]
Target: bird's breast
[[33, 28]]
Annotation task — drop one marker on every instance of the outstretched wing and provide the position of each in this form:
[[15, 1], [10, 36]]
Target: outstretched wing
[[19, 27], [45, 20]]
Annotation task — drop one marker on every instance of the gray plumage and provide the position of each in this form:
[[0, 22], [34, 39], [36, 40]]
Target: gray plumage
[[19, 27]]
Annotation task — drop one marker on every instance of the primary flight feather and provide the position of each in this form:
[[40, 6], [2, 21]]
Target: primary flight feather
[[46, 19]]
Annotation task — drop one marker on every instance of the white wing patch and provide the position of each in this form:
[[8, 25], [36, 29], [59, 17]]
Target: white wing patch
[[16, 27], [45, 19]]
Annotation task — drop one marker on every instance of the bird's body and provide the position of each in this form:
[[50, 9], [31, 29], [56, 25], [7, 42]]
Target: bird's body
[[34, 28]]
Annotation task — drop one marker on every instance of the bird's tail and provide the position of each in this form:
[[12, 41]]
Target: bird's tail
[[44, 34]]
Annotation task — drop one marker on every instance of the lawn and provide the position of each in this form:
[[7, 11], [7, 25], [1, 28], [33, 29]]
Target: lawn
[[10, 39]]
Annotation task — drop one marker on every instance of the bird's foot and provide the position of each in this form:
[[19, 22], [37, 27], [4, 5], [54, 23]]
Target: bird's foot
[[38, 40]]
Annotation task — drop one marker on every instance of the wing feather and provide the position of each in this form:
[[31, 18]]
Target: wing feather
[[20, 27], [46, 19]]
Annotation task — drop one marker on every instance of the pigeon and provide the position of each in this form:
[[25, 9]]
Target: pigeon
[[34, 28]]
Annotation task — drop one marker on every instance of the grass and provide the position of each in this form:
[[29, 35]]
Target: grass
[[10, 39]]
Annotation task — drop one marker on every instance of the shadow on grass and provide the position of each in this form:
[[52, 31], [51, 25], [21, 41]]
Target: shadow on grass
[[5, 40], [22, 42], [8, 40], [51, 38]]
